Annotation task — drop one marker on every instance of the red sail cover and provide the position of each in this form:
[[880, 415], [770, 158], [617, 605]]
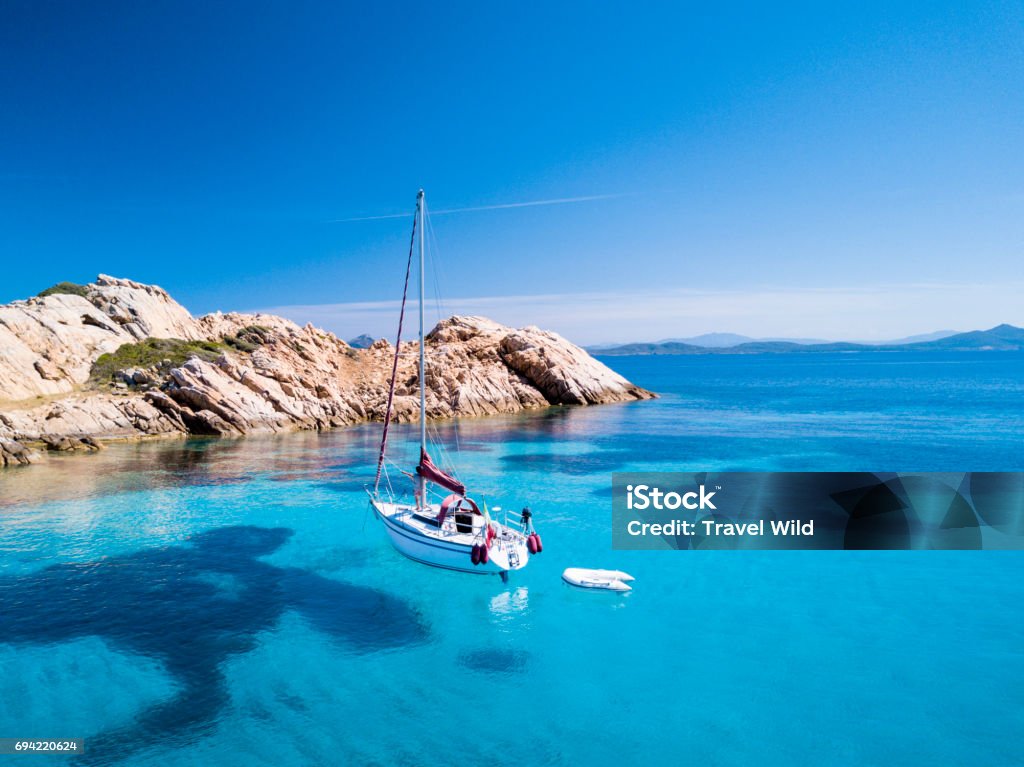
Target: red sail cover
[[431, 473]]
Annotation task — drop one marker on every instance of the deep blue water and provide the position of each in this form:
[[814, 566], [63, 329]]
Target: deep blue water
[[232, 602]]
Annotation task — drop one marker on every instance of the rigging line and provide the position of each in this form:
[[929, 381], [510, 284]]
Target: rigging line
[[394, 366], [437, 264], [440, 273], [391, 486], [441, 451], [437, 443], [434, 262]]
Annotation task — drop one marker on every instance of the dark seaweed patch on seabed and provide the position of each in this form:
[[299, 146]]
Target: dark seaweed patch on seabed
[[495, 661], [576, 464], [169, 604]]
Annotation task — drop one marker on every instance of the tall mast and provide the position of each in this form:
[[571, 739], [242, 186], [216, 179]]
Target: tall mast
[[423, 357]]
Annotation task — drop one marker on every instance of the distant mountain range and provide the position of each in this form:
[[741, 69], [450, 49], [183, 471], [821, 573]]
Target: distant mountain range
[[1000, 338], [726, 340]]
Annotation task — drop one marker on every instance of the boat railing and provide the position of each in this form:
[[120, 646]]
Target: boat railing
[[506, 537]]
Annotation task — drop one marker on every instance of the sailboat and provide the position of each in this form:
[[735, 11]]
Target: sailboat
[[441, 525]]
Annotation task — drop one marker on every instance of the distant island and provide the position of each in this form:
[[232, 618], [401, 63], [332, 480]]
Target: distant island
[[725, 340], [1000, 338], [362, 342]]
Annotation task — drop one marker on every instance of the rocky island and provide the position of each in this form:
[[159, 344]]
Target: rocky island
[[118, 359]]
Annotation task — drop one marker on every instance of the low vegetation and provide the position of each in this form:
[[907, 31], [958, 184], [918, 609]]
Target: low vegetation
[[173, 352], [249, 338], [152, 352], [68, 288]]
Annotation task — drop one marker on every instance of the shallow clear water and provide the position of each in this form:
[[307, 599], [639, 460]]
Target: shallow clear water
[[233, 602]]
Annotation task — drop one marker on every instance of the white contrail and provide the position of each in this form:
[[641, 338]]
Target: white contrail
[[503, 206]]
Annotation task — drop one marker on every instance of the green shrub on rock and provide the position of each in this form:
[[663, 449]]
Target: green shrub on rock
[[152, 352], [66, 288]]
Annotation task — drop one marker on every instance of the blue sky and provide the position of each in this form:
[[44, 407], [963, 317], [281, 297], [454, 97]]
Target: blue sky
[[819, 170]]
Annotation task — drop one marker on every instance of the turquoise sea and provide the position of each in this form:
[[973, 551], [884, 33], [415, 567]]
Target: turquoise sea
[[233, 602]]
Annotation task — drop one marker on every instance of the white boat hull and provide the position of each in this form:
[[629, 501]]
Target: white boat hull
[[446, 547]]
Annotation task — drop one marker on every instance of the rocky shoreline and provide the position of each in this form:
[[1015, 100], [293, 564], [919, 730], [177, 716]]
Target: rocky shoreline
[[118, 359]]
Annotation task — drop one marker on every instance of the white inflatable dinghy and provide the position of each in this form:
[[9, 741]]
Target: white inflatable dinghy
[[609, 580]]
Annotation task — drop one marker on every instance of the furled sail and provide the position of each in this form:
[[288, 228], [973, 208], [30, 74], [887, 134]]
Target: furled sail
[[429, 471]]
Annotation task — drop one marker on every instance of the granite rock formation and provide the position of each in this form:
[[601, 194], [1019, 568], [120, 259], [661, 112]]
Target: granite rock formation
[[254, 372]]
